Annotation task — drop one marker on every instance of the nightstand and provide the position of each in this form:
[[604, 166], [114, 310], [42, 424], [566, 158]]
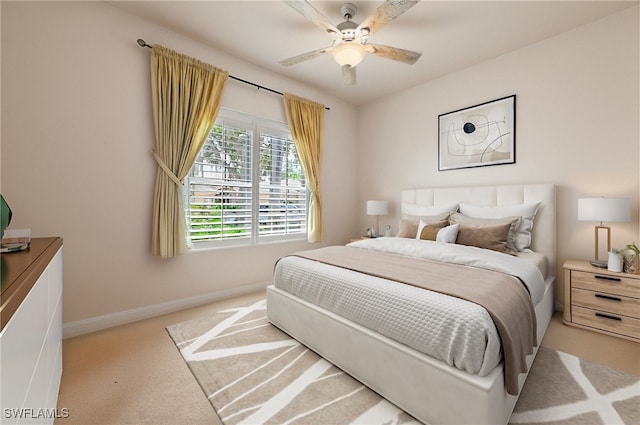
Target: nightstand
[[602, 301]]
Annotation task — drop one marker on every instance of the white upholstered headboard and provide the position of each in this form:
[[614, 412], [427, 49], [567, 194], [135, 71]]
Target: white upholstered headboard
[[544, 225]]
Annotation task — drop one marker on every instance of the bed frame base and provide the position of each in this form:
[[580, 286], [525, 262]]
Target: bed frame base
[[428, 389]]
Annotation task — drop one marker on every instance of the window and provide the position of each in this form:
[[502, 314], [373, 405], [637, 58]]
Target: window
[[246, 185]]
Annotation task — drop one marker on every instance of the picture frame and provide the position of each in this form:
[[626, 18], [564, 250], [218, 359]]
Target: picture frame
[[478, 136]]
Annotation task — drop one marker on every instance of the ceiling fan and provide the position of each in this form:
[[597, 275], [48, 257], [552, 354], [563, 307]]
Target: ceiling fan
[[350, 39]]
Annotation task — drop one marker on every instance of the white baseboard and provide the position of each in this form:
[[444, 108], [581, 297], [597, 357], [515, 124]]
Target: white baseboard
[[93, 324]]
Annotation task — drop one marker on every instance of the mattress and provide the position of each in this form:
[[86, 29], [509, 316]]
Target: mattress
[[536, 258], [455, 331]]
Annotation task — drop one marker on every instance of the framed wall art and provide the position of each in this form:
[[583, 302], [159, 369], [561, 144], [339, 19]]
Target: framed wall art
[[479, 135]]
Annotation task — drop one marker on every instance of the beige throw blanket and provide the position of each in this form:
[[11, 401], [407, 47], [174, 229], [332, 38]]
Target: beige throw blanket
[[503, 296]]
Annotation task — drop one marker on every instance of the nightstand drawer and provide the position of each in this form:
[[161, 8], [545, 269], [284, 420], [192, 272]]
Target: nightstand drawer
[[610, 322], [606, 302], [603, 282]]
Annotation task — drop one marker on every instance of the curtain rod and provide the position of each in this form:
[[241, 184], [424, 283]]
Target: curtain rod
[[143, 43]]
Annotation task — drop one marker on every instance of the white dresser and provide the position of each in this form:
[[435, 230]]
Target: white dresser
[[31, 333]]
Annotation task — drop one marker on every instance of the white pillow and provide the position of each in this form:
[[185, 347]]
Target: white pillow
[[423, 210], [526, 211], [448, 234]]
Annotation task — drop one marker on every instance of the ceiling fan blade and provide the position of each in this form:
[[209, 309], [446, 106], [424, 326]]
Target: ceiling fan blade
[[393, 53], [304, 57], [307, 10], [385, 13]]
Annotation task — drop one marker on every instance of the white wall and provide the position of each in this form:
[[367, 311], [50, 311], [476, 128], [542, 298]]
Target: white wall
[[76, 139], [77, 134], [576, 126]]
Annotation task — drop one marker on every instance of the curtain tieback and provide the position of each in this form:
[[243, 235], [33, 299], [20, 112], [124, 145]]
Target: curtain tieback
[[166, 169]]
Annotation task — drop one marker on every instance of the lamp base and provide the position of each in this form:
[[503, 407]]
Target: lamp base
[[600, 264]]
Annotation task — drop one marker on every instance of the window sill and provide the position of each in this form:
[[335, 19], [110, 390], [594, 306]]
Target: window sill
[[214, 247]]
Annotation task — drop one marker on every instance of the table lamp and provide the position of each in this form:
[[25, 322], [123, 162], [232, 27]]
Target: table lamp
[[377, 208], [603, 210]]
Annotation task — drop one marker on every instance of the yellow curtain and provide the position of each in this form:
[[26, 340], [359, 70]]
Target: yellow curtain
[[186, 100], [306, 122]]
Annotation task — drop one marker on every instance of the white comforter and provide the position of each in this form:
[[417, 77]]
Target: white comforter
[[450, 329]]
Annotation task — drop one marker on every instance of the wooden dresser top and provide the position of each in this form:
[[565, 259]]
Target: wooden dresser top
[[19, 272]]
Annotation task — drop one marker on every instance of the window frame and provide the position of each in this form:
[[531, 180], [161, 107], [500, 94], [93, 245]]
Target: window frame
[[257, 125]]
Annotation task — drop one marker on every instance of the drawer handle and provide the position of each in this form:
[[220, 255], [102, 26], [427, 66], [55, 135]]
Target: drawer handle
[[607, 316], [608, 297], [615, 279]]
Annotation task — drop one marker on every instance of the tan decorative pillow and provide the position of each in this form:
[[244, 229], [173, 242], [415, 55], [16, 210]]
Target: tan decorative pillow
[[514, 223], [429, 231], [492, 237], [407, 229], [408, 226], [526, 212]]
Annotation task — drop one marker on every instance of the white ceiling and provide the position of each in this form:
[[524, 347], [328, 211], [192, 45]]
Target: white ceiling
[[451, 35]]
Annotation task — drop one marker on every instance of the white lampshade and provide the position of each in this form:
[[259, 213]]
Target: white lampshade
[[377, 207], [348, 53], [604, 209]]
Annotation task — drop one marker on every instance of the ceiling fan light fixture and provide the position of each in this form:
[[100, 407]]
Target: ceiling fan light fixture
[[348, 53]]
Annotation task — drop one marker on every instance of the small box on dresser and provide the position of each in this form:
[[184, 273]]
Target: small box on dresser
[[600, 300]]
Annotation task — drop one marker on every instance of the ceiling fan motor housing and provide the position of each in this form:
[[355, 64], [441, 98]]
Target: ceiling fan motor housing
[[348, 27], [347, 31]]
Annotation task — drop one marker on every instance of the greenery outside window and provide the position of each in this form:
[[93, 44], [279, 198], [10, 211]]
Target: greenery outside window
[[247, 185]]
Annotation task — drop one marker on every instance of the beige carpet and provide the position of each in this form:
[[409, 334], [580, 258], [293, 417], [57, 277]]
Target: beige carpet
[[253, 373]]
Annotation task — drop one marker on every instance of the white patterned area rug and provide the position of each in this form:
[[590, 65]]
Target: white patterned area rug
[[253, 373]]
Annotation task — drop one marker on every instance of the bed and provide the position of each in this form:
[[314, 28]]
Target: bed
[[441, 383]]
